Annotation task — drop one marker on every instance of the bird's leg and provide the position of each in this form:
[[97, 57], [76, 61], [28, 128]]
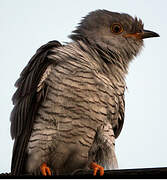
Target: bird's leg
[[45, 170], [97, 167]]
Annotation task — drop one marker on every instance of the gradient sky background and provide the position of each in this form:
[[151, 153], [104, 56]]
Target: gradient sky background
[[26, 25]]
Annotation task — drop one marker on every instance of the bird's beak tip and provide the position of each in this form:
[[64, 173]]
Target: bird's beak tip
[[149, 34], [142, 35]]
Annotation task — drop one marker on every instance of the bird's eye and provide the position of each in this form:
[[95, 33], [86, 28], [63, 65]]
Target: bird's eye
[[116, 28]]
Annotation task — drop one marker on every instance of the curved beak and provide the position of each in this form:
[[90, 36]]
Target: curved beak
[[148, 34], [142, 35]]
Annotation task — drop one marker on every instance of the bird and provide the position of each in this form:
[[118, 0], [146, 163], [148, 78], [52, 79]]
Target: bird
[[69, 103]]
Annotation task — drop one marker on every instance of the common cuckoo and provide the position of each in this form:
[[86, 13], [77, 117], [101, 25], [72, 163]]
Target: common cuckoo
[[69, 103]]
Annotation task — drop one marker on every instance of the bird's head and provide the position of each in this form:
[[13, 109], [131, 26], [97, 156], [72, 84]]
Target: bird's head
[[120, 33]]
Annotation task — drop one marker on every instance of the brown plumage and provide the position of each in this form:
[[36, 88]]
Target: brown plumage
[[69, 102]]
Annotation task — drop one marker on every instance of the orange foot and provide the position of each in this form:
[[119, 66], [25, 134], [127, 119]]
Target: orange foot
[[97, 167], [45, 170]]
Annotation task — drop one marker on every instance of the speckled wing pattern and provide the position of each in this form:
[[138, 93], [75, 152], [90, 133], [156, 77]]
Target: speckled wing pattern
[[26, 100]]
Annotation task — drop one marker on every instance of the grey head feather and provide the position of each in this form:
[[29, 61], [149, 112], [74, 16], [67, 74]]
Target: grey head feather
[[95, 28]]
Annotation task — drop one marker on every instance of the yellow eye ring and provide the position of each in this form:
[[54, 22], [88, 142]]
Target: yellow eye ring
[[116, 28]]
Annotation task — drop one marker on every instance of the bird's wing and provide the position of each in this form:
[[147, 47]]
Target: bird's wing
[[121, 112], [31, 90]]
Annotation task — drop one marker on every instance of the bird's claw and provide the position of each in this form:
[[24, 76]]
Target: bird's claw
[[45, 170], [97, 167]]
